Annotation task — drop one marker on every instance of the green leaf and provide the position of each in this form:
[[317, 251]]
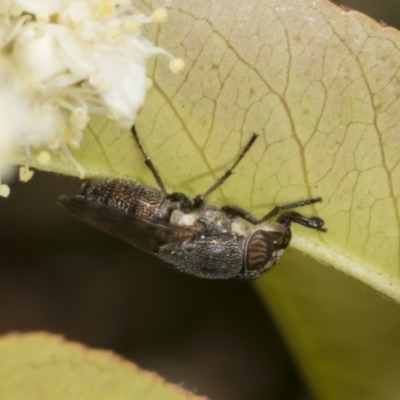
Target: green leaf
[[41, 365]]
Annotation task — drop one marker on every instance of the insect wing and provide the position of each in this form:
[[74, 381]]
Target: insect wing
[[138, 232]]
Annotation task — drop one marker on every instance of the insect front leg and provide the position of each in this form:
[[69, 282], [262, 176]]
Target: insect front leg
[[310, 222]]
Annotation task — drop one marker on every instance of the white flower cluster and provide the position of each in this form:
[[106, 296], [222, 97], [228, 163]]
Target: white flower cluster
[[62, 60]]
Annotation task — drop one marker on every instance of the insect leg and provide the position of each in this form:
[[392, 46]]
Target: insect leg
[[297, 204], [199, 200], [235, 211], [148, 162], [310, 222], [313, 222]]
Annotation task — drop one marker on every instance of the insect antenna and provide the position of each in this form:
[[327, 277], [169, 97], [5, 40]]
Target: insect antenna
[[199, 200], [148, 162]]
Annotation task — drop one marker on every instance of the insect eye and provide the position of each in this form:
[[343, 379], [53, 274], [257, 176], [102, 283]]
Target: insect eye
[[260, 248]]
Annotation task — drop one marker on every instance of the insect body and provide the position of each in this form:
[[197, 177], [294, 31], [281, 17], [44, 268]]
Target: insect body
[[194, 238]]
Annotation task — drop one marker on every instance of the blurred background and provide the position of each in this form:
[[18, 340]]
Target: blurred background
[[213, 338]]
